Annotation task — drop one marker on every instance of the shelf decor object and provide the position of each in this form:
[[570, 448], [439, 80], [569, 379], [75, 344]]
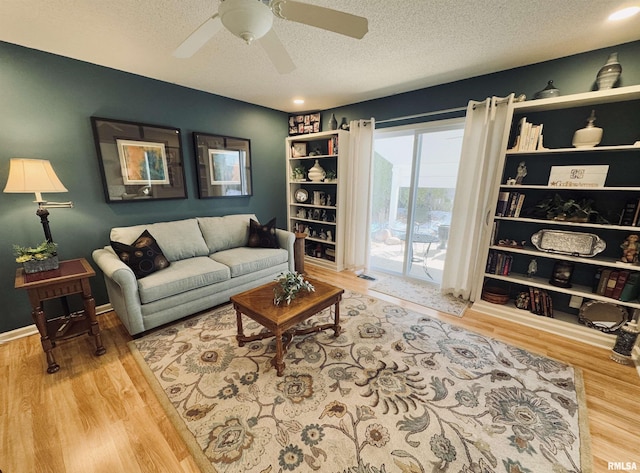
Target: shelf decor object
[[603, 316], [589, 136], [625, 341], [316, 173], [549, 91], [561, 274], [609, 74], [568, 243]]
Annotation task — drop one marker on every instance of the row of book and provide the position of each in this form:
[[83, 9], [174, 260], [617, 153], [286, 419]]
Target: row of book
[[540, 302], [509, 204], [499, 263], [529, 136], [333, 145], [630, 216], [617, 284]]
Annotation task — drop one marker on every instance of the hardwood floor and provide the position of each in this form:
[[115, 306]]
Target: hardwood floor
[[98, 414]]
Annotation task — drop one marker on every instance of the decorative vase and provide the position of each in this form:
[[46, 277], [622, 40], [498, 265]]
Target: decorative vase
[[549, 91], [609, 73], [589, 136], [316, 173], [625, 341], [333, 123]]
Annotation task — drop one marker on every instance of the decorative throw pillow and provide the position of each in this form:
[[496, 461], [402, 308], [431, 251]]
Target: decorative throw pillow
[[262, 236], [143, 256]]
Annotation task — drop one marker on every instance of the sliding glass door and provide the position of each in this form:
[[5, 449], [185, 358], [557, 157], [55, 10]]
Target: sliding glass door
[[415, 171]]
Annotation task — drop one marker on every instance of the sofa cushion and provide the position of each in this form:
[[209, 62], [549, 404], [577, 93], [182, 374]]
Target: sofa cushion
[[246, 260], [182, 276], [144, 256], [222, 233], [178, 239], [262, 236]]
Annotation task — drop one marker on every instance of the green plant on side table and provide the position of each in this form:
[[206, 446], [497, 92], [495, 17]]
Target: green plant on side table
[[43, 257], [288, 287]]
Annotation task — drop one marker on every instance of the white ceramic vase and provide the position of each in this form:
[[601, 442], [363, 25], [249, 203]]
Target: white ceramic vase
[[316, 173]]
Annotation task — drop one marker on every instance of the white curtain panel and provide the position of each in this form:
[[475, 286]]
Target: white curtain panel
[[485, 136], [358, 195]]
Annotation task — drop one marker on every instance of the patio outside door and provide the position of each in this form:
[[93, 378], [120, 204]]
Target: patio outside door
[[415, 171]]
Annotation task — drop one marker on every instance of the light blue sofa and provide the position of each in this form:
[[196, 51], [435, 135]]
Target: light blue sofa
[[209, 262]]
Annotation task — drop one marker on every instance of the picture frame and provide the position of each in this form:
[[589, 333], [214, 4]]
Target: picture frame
[[143, 162], [302, 124], [139, 161], [223, 165]]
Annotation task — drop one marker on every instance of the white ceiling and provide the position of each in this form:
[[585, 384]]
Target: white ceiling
[[411, 44]]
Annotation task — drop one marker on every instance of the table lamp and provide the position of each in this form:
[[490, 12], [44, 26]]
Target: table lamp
[[37, 176]]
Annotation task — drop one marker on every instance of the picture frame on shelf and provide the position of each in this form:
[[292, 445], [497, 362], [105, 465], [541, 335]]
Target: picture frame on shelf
[[299, 149], [223, 165], [138, 161], [302, 124]]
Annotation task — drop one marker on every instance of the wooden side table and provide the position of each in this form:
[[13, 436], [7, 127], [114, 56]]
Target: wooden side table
[[72, 277]]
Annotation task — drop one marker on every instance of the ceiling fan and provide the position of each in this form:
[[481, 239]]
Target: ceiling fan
[[251, 20]]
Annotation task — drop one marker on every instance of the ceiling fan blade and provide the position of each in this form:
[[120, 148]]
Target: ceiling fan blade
[[321, 17], [199, 37], [277, 52]]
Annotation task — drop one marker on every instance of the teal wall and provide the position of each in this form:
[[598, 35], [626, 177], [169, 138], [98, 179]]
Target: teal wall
[[572, 75], [45, 105], [46, 102]]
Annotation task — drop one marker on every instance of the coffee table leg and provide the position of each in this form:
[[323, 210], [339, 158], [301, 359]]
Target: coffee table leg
[[240, 336], [277, 361], [336, 324]]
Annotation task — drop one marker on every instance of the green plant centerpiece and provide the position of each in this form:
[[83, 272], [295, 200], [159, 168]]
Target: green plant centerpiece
[[43, 257], [570, 210], [330, 176], [289, 285], [299, 173]]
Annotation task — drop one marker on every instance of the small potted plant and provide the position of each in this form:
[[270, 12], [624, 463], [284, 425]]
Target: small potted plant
[[39, 258], [299, 173], [330, 176], [288, 287]]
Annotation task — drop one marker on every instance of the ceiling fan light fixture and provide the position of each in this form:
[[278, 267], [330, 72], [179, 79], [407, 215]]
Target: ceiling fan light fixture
[[247, 19]]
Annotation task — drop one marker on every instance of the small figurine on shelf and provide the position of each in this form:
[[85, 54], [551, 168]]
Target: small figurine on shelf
[[630, 248], [533, 268], [521, 172]]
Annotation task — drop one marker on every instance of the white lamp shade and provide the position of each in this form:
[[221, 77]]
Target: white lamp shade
[[247, 19], [32, 176]]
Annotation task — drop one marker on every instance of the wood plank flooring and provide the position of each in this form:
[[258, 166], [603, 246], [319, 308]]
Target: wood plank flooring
[[99, 415]]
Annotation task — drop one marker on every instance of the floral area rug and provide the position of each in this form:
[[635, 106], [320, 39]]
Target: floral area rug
[[422, 293], [396, 392]]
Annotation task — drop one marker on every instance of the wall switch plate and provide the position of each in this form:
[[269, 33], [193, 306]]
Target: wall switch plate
[[576, 302]]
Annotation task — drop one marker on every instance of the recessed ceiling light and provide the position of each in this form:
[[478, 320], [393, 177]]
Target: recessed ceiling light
[[298, 101], [624, 13]]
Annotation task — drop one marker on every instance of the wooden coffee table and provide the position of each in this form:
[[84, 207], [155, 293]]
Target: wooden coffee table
[[280, 320]]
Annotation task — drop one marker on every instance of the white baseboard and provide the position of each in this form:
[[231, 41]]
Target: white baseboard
[[21, 332]]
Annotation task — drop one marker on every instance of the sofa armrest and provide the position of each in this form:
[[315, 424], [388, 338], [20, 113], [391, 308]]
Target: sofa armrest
[[286, 240], [122, 287]]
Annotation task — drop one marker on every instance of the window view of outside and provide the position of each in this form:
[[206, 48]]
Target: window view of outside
[[415, 173]]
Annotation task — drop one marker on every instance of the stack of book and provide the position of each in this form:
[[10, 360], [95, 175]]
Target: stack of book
[[619, 284], [630, 215], [529, 136], [332, 147], [540, 303], [499, 263], [509, 204]]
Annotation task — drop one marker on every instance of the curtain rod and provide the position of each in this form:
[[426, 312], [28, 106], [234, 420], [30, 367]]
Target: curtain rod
[[420, 115]]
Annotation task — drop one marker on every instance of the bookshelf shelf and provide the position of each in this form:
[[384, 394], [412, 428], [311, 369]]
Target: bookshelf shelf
[[556, 120]]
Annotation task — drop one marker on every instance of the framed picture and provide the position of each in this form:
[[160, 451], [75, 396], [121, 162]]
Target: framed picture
[[303, 124], [143, 162], [223, 165], [139, 161]]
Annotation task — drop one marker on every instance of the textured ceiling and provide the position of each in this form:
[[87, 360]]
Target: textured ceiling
[[410, 44]]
